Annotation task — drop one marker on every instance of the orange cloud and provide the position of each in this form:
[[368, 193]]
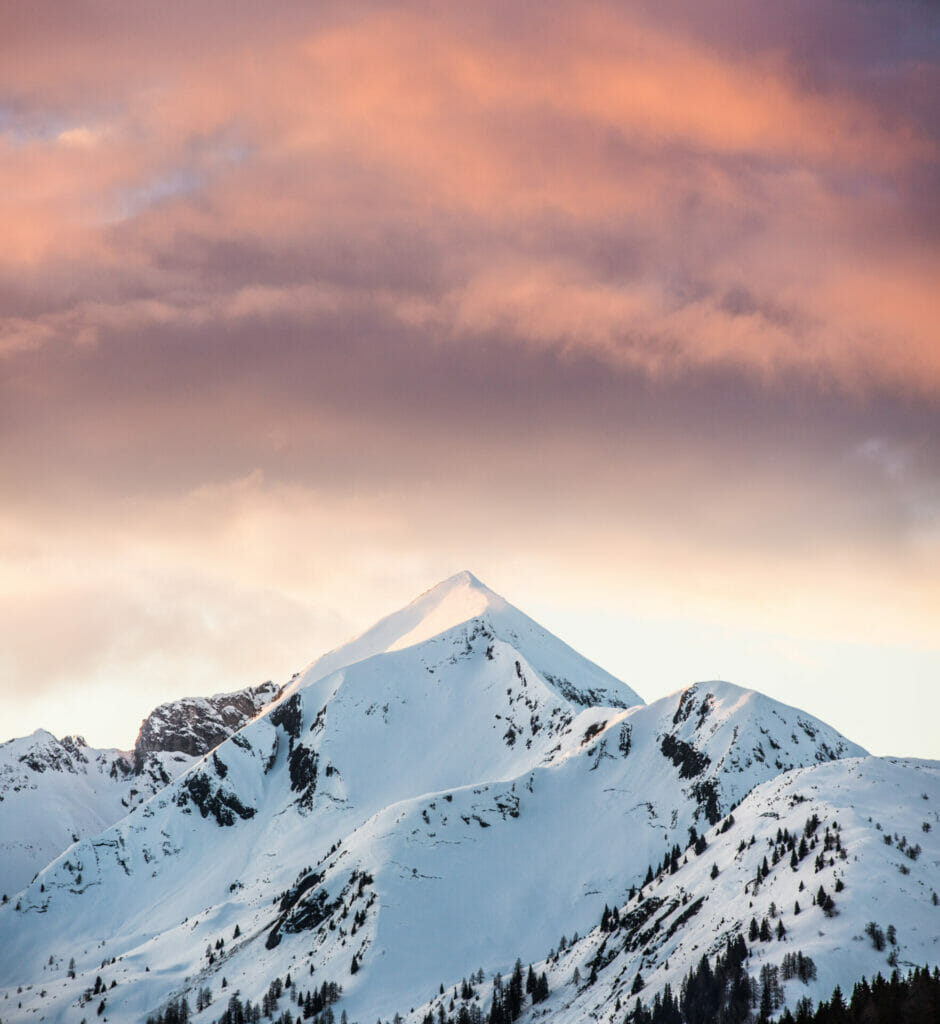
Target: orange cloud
[[131, 199]]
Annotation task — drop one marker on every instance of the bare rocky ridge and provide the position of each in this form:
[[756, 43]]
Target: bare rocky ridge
[[196, 725]]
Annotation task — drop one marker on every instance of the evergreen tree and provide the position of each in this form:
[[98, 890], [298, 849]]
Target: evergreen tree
[[514, 992], [540, 992]]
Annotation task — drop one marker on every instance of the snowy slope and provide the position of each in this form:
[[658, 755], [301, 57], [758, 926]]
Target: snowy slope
[[871, 825], [480, 874], [52, 792], [442, 794]]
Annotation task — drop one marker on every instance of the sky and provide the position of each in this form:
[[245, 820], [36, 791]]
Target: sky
[[629, 308]]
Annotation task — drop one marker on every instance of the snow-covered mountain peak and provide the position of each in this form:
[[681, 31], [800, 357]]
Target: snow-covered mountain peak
[[460, 607], [450, 603]]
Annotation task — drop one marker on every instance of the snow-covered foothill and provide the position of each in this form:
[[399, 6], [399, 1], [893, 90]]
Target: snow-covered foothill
[[861, 831]]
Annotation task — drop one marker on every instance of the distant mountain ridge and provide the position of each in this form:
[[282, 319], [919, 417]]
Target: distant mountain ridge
[[53, 792], [451, 790]]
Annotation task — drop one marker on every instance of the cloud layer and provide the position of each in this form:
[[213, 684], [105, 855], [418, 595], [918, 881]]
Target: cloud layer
[[293, 297]]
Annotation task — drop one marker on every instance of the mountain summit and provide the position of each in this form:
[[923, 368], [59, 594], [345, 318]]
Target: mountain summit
[[459, 601], [452, 602]]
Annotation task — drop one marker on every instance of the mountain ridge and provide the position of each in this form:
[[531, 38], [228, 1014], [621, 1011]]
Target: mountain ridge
[[423, 803]]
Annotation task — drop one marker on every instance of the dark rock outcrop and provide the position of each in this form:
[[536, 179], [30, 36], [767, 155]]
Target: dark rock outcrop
[[196, 725]]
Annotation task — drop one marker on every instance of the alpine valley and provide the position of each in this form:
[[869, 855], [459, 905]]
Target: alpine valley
[[457, 818]]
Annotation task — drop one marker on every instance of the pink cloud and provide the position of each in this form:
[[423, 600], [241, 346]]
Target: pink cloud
[[725, 170]]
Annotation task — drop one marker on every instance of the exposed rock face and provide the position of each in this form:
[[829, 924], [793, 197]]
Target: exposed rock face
[[196, 725]]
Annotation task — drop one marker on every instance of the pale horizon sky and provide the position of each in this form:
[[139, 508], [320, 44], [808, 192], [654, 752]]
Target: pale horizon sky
[[629, 307]]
